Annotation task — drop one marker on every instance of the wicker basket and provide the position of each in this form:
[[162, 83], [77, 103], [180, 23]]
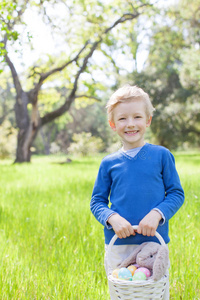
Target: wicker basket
[[129, 290]]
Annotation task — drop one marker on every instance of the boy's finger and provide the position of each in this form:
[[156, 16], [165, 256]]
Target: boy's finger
[[133, 232], [139, 230]]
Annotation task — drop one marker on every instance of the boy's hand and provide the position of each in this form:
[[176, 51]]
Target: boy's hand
[[149, 223], [121, 226]]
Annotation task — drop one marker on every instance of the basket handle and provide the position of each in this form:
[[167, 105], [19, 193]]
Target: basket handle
[[115, 237]]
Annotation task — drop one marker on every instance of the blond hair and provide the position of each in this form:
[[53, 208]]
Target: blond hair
[[128, 92]]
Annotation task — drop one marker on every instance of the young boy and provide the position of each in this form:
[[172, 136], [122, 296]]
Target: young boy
[[140, 180]]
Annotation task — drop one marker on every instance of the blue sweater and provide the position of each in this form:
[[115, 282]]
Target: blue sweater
[[134, 187]]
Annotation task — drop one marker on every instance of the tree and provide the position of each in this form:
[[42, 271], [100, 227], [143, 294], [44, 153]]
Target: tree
[[94, 30], [171, 75], [190, 25]]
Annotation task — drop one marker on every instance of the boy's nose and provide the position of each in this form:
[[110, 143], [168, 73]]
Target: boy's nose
[[131, 123]]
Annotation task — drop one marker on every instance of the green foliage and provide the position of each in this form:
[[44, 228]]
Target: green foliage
[[48, 99], [171, 76], [166, 41], [51, 246], [72, 31], [85, 144], [8, 138], [175, 122], [190, 69], [187, 21], [7, 9], [92, 118]]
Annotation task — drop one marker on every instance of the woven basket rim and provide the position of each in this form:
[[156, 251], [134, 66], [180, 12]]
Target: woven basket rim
[[149, 282]]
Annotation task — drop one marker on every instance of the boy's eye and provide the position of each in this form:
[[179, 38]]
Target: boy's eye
[[138, 117], [121, 119]]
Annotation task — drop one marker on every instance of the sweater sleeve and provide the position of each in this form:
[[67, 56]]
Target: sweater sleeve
[[174, 194], [99, 201]]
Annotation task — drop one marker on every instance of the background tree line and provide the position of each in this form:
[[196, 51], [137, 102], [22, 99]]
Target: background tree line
[[98, 48]]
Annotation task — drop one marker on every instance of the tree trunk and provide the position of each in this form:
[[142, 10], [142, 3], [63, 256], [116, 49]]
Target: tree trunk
[[28, 128], [25, 140]]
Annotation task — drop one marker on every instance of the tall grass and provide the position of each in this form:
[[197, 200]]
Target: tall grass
[[185, 233], [51, 247]]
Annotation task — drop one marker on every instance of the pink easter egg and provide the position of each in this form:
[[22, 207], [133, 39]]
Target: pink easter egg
[[144, 270]]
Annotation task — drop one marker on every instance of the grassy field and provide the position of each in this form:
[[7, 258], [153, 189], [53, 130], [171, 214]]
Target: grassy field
[[51, 247]]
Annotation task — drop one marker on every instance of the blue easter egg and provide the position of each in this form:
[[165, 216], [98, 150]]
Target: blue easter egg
[[124, 274]]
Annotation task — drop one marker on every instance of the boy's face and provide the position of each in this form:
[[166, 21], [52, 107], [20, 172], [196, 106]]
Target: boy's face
[[130, 122]]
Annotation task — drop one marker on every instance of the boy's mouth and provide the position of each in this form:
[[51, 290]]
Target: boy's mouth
[[133, 132]]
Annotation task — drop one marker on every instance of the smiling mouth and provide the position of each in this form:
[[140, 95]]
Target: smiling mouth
[[131, 132]]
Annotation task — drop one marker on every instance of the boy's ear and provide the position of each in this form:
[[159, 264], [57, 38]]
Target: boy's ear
[[149, 122], [112, 125]]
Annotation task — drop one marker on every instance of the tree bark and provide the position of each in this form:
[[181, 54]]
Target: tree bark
[[28, 127]]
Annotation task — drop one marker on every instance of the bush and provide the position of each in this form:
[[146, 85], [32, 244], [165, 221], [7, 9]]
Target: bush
[[8, 140], [54, 148], [84, 144]]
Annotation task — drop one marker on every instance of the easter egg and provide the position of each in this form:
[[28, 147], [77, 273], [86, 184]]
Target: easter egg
[[125, 274], [132, 268], [139, 276], [144, 270], [115, 273]]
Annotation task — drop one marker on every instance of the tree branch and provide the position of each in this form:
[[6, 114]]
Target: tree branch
[[54, 114], [33, 93], [15, 76], [89, 97], [58, 69], [49, 117], [127, 16], [83, 67], [111, 59], [124, 18]]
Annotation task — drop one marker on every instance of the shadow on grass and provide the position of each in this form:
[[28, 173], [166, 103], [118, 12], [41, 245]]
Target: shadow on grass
[[75, 163]]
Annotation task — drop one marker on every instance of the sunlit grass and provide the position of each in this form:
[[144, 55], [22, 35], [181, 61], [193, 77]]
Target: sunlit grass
[[185, 233], [51, 247]]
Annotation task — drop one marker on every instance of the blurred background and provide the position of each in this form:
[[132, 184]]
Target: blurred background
[[61, 60]]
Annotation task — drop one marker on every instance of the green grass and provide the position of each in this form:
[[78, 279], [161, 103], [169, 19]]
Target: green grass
[[51, 247]]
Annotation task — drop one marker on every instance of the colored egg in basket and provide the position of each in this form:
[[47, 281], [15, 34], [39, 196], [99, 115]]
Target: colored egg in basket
[[115, 273], [139, 276], [144, 270], [124, 274], [132, 268]]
